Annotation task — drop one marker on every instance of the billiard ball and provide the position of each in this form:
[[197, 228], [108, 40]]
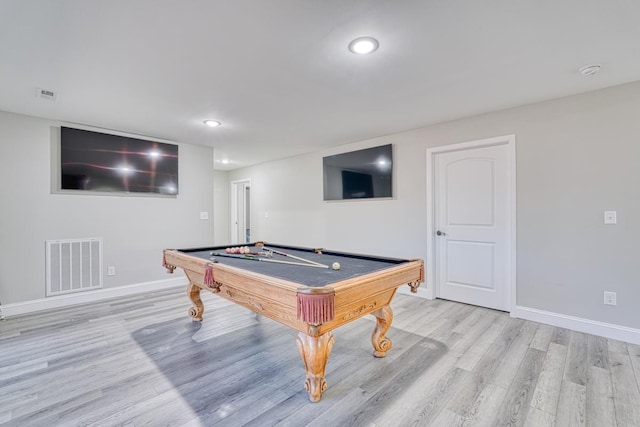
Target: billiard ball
[[335, 266]]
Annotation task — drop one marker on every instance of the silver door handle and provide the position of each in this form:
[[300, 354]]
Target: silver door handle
[[441, 233]]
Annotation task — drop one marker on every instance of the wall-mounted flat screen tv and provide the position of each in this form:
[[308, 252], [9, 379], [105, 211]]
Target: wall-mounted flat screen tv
[[362, 174], [97, 161]]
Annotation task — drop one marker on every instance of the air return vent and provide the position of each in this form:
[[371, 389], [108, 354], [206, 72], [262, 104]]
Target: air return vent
[[73, 265]]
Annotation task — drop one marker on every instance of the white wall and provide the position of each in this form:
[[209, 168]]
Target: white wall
[[576, 158], [290, 190], [134, 229]]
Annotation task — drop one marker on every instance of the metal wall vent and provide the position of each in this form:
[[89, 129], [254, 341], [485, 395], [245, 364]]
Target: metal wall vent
[[73, 265]]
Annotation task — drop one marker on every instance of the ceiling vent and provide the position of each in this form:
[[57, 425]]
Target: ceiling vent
[[590, 70], [47, 94]]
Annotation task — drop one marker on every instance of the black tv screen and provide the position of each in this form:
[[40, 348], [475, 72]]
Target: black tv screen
[[97, 161], [362, 174]]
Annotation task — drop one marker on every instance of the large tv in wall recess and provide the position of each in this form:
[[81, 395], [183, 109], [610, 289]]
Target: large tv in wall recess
[[95, 161], [362, 174]]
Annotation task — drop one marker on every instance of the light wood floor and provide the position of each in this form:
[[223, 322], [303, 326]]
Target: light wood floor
[[141, 361]]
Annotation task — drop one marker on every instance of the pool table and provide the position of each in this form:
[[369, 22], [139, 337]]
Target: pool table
[[280, 282]]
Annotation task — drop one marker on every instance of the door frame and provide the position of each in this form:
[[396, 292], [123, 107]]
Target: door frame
[[234, 208], [432, 292]]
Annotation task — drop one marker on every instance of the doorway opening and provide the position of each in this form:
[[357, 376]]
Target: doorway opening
[[241, 211]]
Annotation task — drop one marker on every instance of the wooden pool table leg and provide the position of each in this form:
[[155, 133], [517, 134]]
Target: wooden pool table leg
[[315, 353], [193, 292], [381, 344]]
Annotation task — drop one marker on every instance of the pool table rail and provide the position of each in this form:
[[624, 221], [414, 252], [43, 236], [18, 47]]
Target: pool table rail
[[277, 298]]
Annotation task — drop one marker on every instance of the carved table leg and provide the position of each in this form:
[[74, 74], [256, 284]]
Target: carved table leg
[[193, 292], [382, 344], [315, 353]]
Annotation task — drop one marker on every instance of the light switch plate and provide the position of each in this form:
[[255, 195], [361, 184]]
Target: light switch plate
[[610, 298], [610, 217], [204, 215]]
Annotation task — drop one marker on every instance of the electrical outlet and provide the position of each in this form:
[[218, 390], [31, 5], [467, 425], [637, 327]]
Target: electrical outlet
[[610, 298], [111, 271], [610, 217], [204, 215]]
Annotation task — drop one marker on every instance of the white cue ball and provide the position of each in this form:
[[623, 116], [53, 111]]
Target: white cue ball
[[335, 266]]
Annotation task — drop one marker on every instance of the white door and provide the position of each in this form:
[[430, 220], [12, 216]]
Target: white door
[[472, 225]]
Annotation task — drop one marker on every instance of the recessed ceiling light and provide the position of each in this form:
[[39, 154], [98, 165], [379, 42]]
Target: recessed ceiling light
[[212, 123], [590, 70], [224, 161], [363, 45]]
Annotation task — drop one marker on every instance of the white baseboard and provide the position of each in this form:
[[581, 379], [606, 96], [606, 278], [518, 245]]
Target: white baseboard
[[607, 330], [89, 296]]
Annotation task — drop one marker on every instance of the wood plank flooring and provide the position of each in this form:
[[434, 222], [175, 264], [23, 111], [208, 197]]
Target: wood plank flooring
[[141, 361]]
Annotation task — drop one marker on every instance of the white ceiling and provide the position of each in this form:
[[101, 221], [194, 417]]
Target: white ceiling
[[278, 74]]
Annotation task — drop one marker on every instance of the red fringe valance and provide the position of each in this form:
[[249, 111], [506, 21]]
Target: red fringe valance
[[315, 309], [208, 275]]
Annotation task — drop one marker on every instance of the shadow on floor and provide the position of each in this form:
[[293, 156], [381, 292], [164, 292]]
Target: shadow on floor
[[238, 368]]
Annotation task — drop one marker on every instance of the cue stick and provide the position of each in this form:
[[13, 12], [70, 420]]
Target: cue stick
[[252, 258], [295, 257]]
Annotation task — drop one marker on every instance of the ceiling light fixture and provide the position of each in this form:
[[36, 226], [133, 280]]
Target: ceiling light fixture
[[590, 70], [212, 123], [363, 45]]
